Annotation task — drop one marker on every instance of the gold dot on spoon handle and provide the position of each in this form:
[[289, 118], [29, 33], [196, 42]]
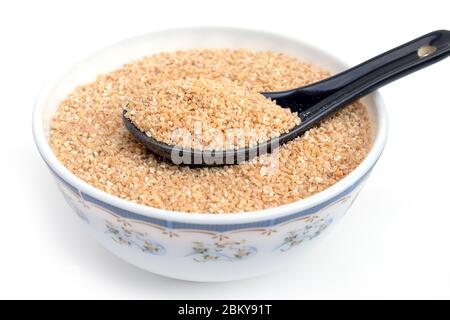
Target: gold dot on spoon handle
[[424, 51]]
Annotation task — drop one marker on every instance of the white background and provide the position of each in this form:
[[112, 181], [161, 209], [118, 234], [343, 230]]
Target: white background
[[395, 240]]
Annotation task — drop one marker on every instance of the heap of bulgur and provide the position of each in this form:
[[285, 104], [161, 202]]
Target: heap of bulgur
[[208, 114], [88, 137]]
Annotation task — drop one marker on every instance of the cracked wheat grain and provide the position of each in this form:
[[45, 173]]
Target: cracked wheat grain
[[208, 114], [88, 137]]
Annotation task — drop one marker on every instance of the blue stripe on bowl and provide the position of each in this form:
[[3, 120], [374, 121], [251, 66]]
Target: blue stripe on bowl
[[210, 227]]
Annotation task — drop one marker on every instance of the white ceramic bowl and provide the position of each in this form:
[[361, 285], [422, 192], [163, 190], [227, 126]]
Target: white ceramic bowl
[[201, 247]]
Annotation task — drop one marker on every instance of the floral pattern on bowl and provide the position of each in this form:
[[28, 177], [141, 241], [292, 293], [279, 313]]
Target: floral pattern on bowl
[[221, 251], [308, 232], [124, 234]]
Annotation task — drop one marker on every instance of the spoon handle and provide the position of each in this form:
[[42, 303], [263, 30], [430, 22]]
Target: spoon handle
[[368, 76]]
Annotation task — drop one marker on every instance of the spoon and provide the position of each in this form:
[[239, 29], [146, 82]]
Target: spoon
[[315, 101]]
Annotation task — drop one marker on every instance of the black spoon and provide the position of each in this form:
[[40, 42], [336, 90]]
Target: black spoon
[[316, 101]]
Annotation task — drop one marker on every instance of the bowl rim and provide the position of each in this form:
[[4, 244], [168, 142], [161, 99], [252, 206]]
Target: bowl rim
[[380, 137]]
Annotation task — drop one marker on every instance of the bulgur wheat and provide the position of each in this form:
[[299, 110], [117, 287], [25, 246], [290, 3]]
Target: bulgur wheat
[[208, 114], [88, 137]]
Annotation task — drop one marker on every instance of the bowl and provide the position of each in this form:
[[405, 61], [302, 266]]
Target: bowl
[[201, 247]]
